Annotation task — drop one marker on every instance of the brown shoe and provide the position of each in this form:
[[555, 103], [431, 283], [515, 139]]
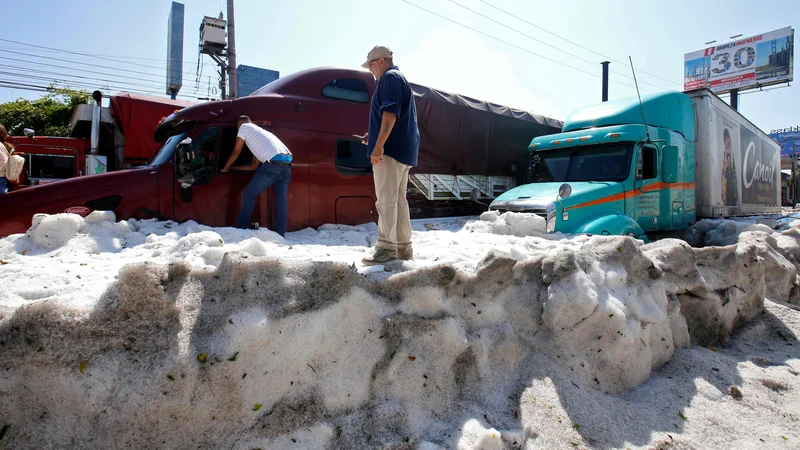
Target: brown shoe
[[381, 256], [405, 254]]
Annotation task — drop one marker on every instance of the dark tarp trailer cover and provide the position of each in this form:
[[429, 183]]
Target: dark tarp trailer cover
[[463, 136]]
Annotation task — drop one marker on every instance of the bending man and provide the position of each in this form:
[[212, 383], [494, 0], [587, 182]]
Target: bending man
[[272, 162]]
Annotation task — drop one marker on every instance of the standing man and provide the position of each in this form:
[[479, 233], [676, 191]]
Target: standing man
[[272, 162], [393, 142]]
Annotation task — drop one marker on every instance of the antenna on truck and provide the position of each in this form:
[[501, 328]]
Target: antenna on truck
[[644, 119]]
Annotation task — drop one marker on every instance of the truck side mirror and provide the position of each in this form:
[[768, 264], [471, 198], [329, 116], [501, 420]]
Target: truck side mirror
[[564, 191], [669, 164], [183, 167], [183, 157], [29, 132], [194, 167]]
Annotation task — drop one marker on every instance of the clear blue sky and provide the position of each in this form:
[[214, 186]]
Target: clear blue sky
[[525, 72]]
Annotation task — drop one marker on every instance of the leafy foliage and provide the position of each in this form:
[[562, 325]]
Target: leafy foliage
[[48, 115]]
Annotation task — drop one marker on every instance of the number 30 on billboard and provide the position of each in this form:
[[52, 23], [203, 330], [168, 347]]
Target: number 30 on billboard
[[746, 63]]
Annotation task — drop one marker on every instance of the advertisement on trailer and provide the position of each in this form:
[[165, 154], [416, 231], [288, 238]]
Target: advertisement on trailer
[[760, 60], [760, 168]]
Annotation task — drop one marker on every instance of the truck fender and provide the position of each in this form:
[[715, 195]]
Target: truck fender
[[610, 223]]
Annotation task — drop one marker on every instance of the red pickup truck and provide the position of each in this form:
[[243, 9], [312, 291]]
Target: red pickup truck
[[468, 149]]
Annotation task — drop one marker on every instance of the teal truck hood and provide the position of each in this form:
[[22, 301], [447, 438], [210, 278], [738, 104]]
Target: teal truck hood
[[535, 197]]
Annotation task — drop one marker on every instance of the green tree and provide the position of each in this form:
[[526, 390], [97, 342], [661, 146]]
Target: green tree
[[48, 115]]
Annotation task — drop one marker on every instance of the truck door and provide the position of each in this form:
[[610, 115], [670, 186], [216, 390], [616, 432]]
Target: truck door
[[198, 192], [645, 202]]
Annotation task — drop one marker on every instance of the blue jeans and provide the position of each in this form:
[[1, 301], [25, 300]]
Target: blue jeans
[[3, 185], [267, 175]]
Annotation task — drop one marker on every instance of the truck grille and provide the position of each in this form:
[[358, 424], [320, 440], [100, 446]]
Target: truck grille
[[538, 211]]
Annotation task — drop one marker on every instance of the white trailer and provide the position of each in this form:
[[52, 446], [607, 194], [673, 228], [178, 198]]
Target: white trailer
[[737, 166]]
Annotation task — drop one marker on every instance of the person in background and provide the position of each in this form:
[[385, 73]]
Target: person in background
[[272, 162], [5, 146], [392, 140]]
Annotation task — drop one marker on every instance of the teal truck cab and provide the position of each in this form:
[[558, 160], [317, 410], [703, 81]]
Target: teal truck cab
[[627, 167]]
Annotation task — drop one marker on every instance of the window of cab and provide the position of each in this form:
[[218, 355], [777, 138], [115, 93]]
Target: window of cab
[[348, 89]]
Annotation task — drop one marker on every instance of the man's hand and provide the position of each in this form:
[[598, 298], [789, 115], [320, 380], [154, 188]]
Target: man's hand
[[224, 170], [387, 123], [365, 138], [377, 154]]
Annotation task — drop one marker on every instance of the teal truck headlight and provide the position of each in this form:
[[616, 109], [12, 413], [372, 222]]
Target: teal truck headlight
[[551, 217]]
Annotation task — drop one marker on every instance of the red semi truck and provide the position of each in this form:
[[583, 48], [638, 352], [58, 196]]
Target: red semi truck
[[126, 140], [469, 150]]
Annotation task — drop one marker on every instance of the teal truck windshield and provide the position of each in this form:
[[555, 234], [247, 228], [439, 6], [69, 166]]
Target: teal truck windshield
[[606, 162]]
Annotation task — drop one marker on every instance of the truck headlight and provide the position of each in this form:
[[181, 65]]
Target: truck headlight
[[551, 217]]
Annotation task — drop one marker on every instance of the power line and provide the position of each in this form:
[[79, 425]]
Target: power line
[[36, 88], [83, 63], [571, 42], [516, 46], [133, 88], [80, 53], [66, 68], [22, 86], [80, 77], [547, 44], [70, 84], [185, 77], [70, 78], [95, 55]]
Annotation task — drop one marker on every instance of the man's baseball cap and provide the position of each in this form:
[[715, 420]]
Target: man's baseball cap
[[378, 51]]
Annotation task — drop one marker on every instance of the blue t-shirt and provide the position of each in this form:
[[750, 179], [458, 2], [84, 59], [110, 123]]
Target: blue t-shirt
[[393, 94]]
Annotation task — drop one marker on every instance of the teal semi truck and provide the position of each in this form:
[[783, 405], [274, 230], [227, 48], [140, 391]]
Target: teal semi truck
[[632, 167]]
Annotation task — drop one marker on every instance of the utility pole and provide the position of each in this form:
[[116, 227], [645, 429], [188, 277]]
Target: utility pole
[[222, 49], [232, 75]]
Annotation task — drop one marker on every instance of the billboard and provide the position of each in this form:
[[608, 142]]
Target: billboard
[[253, 78], [789, 140], [175, 49], [746, 63]]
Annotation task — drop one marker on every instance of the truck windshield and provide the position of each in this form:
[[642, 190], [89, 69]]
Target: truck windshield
[[605, 162], [167, 149]]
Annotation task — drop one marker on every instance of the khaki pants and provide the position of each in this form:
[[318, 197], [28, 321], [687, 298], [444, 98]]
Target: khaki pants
[[394, 221]]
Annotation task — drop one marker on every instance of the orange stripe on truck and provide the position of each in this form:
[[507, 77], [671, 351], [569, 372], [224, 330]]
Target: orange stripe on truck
[[655, 187], [681, 185]]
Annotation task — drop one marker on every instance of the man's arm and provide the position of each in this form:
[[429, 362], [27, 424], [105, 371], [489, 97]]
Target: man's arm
[[252, 166], [237, 149], [388, 120]]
